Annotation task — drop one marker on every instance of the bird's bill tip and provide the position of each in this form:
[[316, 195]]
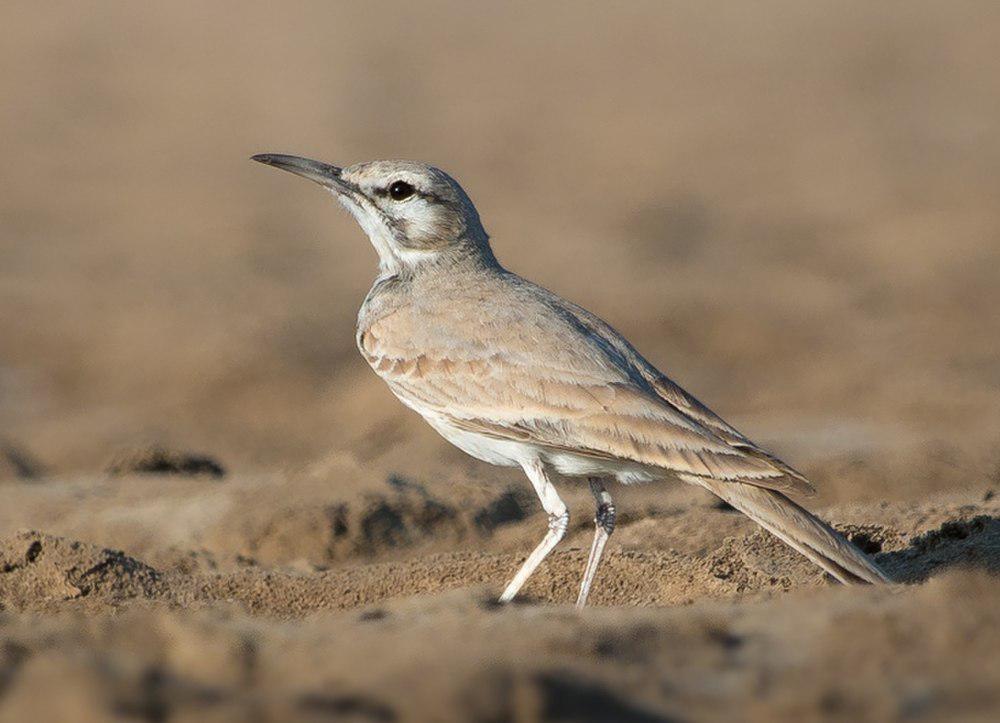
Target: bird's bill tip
[[317, 171]]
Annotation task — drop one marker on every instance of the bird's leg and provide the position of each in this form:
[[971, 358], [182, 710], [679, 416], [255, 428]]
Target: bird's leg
[[604, 521], [558, 522]]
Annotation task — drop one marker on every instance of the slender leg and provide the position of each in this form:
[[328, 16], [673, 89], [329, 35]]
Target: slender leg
[[558, 522], [604, 522]]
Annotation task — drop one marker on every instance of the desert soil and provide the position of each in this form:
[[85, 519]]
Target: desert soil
[[269, 597]]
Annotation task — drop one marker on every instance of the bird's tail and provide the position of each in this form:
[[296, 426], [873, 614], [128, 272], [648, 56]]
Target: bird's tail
[[799, 528]]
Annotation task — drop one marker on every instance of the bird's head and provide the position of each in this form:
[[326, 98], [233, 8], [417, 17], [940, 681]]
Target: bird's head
[[414, 214]]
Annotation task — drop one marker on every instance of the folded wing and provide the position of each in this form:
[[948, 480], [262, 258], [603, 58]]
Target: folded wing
[[598, 398]]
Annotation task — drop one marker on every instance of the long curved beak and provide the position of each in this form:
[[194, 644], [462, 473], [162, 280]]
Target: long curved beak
[[322, 173]]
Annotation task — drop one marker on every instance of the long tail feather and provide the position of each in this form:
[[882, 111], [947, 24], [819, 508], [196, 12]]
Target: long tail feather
[[798, 528]]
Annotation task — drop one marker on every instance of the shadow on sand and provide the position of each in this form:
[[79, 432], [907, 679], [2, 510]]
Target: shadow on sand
[[971, 543]]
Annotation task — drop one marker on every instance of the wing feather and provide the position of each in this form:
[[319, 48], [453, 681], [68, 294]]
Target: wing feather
[[550, 385]]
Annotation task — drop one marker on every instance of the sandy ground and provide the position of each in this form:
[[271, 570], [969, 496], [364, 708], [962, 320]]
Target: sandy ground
[[265, 598], [788, 206]]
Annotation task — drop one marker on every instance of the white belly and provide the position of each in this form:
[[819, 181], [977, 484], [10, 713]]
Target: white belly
[[501, 452], [510, 453]]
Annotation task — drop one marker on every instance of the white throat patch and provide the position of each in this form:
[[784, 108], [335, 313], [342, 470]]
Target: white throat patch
[[378, 233]]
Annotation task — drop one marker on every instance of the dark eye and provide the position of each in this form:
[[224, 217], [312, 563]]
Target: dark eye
[[400, 190]]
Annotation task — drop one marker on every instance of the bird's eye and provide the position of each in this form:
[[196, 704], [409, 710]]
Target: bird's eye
[[400, 190]]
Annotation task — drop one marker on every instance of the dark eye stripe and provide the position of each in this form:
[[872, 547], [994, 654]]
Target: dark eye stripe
[[384, 191]]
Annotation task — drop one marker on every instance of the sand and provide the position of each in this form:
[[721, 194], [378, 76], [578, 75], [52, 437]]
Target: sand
[[211, 509], [377, 609]]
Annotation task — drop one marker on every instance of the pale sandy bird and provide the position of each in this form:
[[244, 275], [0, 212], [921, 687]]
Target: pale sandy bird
[[516, 376]]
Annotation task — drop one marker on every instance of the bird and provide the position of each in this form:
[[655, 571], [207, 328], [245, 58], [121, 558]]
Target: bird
[[516, 376]]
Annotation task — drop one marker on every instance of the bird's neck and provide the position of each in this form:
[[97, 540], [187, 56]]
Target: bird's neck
[[465, 256]]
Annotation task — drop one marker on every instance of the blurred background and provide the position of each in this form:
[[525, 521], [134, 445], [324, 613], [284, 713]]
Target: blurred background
[[789, 207]]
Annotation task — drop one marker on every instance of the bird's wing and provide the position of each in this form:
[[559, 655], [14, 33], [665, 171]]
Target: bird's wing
[[536, 378], [685, 403], [674, 395]]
